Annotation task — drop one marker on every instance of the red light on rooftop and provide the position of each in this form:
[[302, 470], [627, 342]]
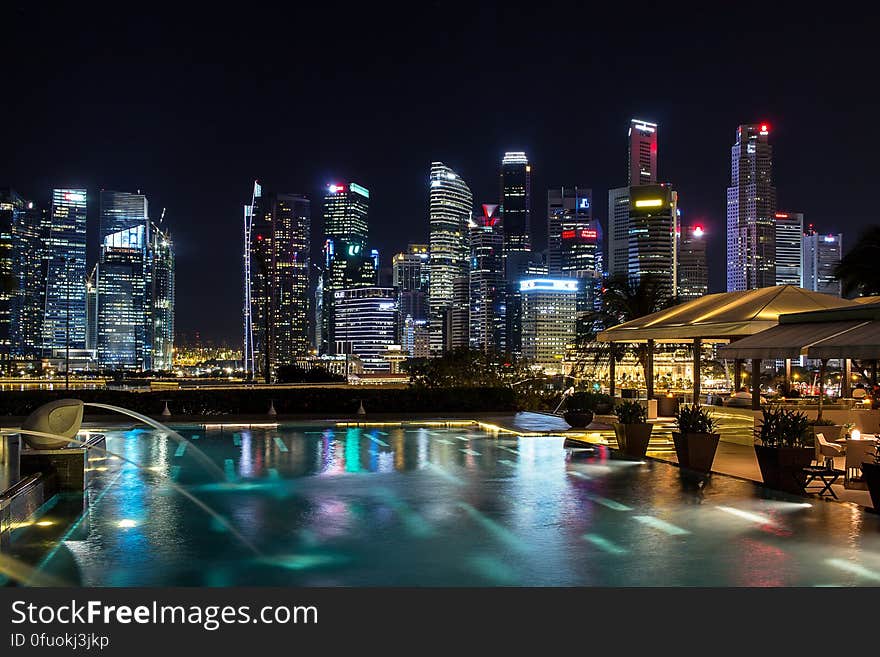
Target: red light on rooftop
[[765, 128]]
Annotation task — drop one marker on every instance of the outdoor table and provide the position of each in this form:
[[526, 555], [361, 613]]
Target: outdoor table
[[828, 476]]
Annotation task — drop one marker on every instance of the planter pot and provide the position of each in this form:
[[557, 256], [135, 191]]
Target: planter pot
[[871, 473], [578, 419], [632, 439], [695, 451], [782, 467]]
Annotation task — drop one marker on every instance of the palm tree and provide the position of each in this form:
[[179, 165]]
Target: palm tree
[[858, 271], [624, 298]]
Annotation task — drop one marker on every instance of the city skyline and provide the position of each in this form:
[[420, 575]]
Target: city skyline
[[180, 139]]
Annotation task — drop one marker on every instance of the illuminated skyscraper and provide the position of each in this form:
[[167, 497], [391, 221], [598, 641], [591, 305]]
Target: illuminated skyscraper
[[346, 210], [549, 308], [516, 203], [751, 206], [12, 211], [789, 247], [410, 280], [347, 263], [366, 325], [693, 273], [450, 202], [486, 283], [65, 253], [569, 210], [642, 153], [653, 220], [28, 304], [121, 211], [121, 298], [277, 261], [161, 292], [822, 253]]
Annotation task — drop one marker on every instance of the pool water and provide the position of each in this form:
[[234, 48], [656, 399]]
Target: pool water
[[385, 506]]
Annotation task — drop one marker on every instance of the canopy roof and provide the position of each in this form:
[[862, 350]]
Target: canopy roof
[[847, 332], [723, 316]]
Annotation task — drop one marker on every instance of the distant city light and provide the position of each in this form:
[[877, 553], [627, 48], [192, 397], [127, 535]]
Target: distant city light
[[333, 189], [698, 231]]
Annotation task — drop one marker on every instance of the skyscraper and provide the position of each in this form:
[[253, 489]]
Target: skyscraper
[[618, 231], [121, 299], [549, 309], [346, 210], [347, 263], [568, 209], [575, 245], [450, 203], [123, 308], [822, 253], [160, 330], [28, 302], [366, 324], [65, 252], [653, 218], [789, 247], [277, 261], [642, 153], [515, 197], [121, 211], [486, 283], [693, 273], [751, 206], [410, 279], [11, 206]]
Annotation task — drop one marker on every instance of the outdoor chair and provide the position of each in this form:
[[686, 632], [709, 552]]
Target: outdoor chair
[[857, 452], [826, 452]]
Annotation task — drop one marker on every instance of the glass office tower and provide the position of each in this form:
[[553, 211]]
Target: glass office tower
[[64, 320]]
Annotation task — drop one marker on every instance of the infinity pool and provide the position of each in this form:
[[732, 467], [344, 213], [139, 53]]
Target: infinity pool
[[429, 506]]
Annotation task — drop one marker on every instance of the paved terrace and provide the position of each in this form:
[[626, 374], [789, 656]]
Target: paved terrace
[[735, 455]]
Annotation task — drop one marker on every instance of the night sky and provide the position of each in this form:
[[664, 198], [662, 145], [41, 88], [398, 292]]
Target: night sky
[[191, 105]]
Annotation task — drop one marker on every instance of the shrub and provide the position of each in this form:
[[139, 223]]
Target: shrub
[[587, 400], [780, 427], [694, 419], [631, 412]]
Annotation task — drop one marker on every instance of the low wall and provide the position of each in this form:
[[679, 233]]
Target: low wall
[[255, 401]]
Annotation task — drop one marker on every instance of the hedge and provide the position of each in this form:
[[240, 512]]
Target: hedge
[[255, 401]]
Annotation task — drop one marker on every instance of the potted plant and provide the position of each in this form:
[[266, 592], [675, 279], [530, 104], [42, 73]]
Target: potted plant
[[782, 448], [695, 438], [871, 475], [579, 410], [632, 428]]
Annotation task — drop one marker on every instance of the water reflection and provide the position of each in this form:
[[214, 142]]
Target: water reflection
[[427, 506]]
